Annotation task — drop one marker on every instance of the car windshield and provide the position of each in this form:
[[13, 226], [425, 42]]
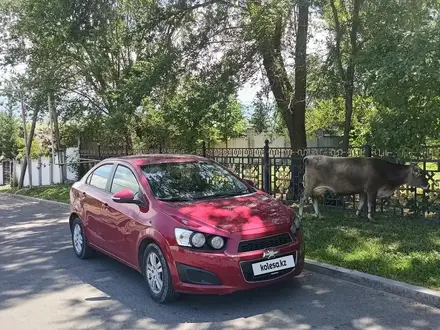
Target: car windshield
[[192, 181]]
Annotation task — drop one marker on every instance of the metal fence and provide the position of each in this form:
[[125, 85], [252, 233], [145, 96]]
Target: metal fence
[[279, 172]]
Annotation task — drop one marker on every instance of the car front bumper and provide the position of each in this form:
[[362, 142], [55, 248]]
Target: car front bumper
[[222, 273]]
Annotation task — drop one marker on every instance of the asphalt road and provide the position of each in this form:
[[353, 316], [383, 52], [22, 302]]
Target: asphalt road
[[44, 286]]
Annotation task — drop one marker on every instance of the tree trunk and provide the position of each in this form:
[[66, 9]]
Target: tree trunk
[[298, 138], [56, 129], [290, 102], [128, 143], [293, 112], [29, 145], [348, 117]]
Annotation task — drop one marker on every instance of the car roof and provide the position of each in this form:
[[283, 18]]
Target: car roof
[[157, 158]]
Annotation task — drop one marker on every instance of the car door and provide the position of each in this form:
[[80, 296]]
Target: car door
[[94, 201], [123, 218]]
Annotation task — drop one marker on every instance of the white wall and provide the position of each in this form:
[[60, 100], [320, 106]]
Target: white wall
[[252, 140], [72, 156], [44, 172]]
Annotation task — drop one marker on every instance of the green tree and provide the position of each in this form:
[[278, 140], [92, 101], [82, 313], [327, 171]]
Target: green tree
[[230, 121], [328, 117], [8, 134], [262, 112], [344, 21], [152, 130], [243, 35], [183, 117], [104, 54], [402, 74]]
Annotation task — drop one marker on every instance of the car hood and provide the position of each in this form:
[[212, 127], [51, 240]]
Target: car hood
[[235, 214]]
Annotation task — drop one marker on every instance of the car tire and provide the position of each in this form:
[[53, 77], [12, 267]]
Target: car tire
[[159, 293], [79, 241]]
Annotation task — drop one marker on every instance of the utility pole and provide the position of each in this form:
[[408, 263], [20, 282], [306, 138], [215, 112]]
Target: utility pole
[[52, 164], [60, 162], [27, 149]]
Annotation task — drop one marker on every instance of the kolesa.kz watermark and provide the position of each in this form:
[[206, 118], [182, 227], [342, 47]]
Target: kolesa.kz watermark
[[273, 265]]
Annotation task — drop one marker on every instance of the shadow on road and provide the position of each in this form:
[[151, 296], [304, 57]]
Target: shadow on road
[[37, 261]]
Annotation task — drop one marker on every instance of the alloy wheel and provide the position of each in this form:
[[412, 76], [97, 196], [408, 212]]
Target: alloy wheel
[[154, 271], [78, 238]]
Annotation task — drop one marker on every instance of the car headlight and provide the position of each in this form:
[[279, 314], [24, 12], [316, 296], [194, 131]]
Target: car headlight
[[189, 238], [183, 236], [198, 240], [217, 242]]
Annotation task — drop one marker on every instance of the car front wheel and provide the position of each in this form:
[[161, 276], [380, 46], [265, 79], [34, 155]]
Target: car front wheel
[[79, 241], [157, 275]]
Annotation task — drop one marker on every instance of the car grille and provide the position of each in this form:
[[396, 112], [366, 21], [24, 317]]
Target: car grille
[[248, 274], [264, 243]]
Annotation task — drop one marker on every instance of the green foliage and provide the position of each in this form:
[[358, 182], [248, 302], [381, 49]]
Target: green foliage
[[396, 71], [8, 135], [102, 57], [58, 192], [36, 149], [150, 125], [143, 73], [328, 117], [262, 111], [193, 112], [402, 73], [229, 119]]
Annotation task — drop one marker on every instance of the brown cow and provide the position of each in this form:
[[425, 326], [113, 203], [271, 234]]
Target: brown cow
[[368, 177]]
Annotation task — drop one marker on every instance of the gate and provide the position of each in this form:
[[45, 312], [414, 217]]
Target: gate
[[7, 172]]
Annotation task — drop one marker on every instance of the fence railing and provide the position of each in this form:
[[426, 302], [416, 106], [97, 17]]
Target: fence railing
[[279, 172]]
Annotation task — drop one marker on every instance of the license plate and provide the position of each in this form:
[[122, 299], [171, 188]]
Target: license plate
[[274, 265]]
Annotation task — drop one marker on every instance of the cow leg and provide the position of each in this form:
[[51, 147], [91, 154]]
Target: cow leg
[[315, 207], [301, 205], [371, 199], [362, 199], [306, 194]]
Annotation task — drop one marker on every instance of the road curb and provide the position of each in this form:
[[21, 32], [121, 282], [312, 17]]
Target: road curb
[[417, 293], [36, 199]]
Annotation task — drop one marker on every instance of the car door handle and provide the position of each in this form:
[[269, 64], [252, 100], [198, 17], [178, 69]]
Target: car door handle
[[104, 205], [84, 194]]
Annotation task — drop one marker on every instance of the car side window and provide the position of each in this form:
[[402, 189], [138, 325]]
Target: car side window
[[124, 179], [100, 176]]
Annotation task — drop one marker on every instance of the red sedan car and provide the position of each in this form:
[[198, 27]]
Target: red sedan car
[[186, 223]]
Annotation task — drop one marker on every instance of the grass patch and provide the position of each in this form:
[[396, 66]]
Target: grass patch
[[398, 248], [58, 193]]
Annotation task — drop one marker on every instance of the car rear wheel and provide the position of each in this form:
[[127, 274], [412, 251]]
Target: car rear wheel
[[79, 241], [157, 275]]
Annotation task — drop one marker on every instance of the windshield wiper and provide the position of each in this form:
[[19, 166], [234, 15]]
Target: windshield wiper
[[230, 194], [175, 199]]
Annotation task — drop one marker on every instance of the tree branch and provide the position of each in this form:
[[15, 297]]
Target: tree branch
[[207, 4], [338, 40], [355, 27], [96, 105]]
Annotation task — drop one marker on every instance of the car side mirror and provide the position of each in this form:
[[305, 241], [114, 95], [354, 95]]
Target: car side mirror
[[126, 196]]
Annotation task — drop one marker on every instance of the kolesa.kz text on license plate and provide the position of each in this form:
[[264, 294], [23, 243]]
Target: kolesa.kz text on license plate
[[270, 266]]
